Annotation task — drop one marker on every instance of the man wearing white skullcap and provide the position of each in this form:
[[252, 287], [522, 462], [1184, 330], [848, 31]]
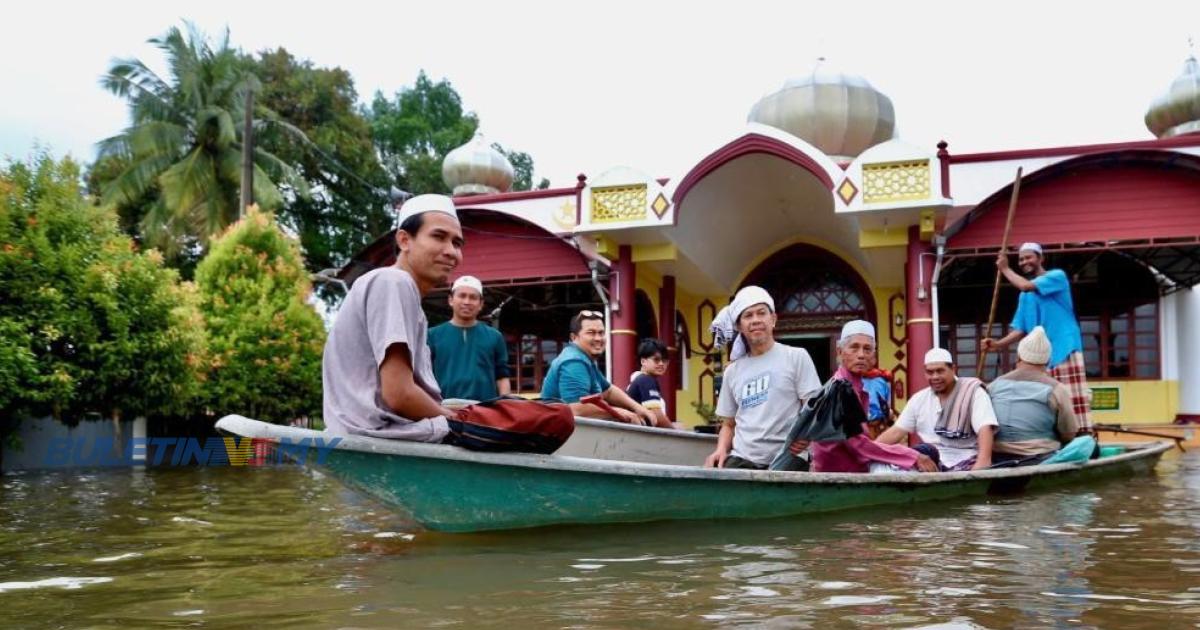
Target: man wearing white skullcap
[[1033, 409], [764, 386], [1046, 301], [470, 360], [377, 374], [856, 356], [954, 414]]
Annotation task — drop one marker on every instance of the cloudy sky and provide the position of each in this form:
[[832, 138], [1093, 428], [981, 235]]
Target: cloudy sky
[[653, 85]]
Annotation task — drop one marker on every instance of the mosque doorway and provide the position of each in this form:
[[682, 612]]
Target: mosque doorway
[[815, 293]]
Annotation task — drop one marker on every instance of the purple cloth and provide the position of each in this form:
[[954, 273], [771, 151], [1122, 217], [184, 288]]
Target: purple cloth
[[856, 454]]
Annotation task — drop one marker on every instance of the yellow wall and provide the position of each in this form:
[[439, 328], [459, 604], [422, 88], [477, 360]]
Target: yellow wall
[[1142, 402]]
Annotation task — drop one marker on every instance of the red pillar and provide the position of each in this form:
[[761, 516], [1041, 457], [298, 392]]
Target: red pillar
[[666, 334], [919, 308], [621, 286]]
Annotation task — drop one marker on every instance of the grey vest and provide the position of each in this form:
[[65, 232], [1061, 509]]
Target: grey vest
[[1023, 410]]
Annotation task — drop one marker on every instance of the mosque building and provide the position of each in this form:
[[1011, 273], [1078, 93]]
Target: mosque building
[[817, 201]]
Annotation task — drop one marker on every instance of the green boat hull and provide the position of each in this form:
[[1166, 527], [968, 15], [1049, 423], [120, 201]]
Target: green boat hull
[[449, 489]]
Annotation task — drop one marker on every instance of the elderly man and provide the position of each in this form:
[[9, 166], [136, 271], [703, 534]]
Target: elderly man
[[470, 360], [856, 355], [762, 389], [377, 373], [1046, 301], [954, 414], [574, 375], [1033, 409]]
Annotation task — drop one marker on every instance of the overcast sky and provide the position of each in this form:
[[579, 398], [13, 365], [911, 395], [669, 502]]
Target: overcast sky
[[653, 85]]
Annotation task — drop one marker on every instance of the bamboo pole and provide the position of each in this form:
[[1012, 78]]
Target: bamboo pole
[[1012, 210]]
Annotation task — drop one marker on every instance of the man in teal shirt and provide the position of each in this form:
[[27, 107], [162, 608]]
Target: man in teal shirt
[[470, 360], [574, 375]]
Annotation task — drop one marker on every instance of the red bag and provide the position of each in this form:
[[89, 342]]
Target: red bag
[[512, 424]]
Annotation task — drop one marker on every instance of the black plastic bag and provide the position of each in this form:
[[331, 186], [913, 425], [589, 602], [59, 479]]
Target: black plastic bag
[[833, 415]]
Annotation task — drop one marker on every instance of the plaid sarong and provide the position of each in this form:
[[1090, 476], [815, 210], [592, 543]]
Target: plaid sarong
[[1072, 374]]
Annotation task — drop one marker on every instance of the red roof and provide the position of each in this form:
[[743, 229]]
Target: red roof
[[1132, 195], [500, 250]]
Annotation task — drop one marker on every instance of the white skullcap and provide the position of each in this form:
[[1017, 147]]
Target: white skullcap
[[1031, 247], [939, 355], [1035, 347], [427, 203], [857, 327], [471, 282]]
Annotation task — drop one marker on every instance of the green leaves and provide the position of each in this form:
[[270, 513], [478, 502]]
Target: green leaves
[[87, 323], [265, 338]]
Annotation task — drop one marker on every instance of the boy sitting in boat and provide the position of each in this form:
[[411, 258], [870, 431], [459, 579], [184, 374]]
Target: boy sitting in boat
[[574, 375], [644, 386], [377, 371], [1035, 412], [855, 454], [763, 387], [954, 414]]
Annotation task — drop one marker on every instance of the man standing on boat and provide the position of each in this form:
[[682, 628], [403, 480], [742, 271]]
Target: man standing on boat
[[470, 360], [954, 414], [763, 387], [1046, 301], [1034, 410], [574, 375]]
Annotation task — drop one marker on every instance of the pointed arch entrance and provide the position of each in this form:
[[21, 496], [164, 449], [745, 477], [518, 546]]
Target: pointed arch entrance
[[815, 292]]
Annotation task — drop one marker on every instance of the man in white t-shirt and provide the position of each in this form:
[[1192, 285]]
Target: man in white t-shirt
[[762, 389], [954, 414]]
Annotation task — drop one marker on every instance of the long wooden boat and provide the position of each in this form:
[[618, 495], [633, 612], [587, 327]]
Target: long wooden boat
[[446, 488]]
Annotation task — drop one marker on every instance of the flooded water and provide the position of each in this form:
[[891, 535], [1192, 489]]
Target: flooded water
[[238, 547]]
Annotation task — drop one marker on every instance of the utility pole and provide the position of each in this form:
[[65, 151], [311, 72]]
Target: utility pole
[[247, 196]]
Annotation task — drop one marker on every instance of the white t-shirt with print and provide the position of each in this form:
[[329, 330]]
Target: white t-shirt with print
[[763, 395]]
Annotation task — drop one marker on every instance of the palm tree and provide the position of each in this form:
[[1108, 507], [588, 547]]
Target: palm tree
[[185, 141]]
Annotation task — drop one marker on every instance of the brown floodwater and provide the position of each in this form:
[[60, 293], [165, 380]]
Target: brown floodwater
[[286, 547]]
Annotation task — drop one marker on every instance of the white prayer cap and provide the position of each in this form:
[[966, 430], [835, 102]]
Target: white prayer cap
[[1031, 247], [427, 203], [1035, 347], [750, 296], [471, 282], [939, 355], [857, 327]]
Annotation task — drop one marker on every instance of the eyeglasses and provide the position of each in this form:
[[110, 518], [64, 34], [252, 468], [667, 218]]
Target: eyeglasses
[[596, 314]]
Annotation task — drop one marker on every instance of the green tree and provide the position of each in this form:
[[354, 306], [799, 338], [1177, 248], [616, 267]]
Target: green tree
[[265, 339], [522, 165], [349, 206], [416, 130], [179, 163], [88, 324]]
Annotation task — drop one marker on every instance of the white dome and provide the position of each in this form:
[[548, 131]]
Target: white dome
[[1177, 111], [477, 169], [839, 113]]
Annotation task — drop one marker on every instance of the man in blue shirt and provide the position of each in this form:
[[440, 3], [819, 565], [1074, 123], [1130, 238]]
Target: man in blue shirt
[[1046, 301], [470, 359], [573, 375]]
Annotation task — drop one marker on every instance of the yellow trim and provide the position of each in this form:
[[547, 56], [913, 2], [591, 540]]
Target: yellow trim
[[920, 320], [882, 238], [928, 225], [658, 252], [606, 246], [623, 331]]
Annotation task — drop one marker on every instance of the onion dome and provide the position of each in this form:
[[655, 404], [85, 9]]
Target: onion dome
[[839, 113], [477, 169], [1177, 111]]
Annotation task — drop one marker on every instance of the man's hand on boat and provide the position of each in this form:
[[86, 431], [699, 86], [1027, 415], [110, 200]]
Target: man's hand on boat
[[925, 464], [716, 459], [798, 446], [625, 415]]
